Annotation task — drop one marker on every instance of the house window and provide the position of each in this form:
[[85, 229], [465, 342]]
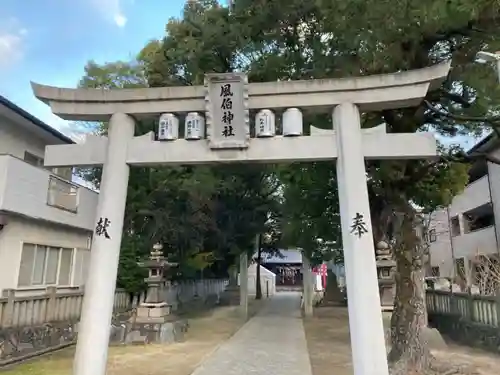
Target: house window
[[89, 241], [82, 259], [455, 226], [479, 218], [52, 264], [435, 271], [460, 268], [32, 159], [432, 236], [64, 276], [45, 265]]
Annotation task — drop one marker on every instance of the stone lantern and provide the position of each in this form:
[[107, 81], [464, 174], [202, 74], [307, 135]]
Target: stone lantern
[[154, 321], [155, 308], [386, 268]]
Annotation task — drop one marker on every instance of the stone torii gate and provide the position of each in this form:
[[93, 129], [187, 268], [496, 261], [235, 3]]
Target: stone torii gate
[[226, 100]]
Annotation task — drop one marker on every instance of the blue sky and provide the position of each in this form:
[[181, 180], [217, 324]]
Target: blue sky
[[50, 41]]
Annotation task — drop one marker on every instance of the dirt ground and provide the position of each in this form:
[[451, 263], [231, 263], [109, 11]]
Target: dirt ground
[[327, 335], [206, 332], [328, 342]]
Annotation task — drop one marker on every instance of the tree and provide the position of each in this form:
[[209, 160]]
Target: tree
[[204, 41], [269, 241], [280, 40], [481, 275], [188, 209], [318, 40], [151, 213], [310, 206]]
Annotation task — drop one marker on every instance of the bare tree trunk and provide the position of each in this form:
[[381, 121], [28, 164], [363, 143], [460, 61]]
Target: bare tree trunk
[[409, 349], [258, 285], [333, 294], [233, 276]]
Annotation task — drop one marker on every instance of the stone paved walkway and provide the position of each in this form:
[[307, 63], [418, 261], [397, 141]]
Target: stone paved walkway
[[272, 342]]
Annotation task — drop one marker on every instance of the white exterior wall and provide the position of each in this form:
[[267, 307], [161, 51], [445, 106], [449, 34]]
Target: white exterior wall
[[482, 241], [24, 198], [22, 230], [441, 252], [478, 242], [494, 180], [467, 245], [24, 190], [475, 194], [15, 140]]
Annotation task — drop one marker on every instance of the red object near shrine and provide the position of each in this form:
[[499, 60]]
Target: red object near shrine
[[322, 270]]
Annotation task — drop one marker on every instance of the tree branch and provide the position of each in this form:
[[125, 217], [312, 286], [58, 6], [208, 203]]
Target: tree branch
[[456, 98], [464, 158], [461, 118]]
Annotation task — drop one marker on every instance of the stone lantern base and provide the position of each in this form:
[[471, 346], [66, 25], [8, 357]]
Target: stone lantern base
[[230, 296], [154, 323], [387, 294], [386, 268], [149, 312]]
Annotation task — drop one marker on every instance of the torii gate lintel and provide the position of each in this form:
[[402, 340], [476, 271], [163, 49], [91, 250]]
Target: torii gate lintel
[[144, 150]]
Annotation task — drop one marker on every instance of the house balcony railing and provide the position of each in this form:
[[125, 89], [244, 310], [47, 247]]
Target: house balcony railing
[[62, 194], [474, 195], [37, 193], [478, 242]]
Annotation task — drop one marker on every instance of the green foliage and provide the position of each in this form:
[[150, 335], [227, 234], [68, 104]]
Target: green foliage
[[222, 208], [302, 40], [113, 75], [299, 40], [188, 209], [200, 261], [130, 275], [311, 210]]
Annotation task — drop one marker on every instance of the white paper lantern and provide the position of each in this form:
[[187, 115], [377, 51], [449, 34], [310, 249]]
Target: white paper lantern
[[292, 122], [168, 127], [265, 124], [194, 126]]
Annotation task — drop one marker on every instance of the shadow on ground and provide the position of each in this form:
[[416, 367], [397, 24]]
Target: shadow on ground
[[327, 335], [329, 348]]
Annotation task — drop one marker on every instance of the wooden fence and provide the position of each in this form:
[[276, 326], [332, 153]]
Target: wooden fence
[[61, 307], [467, 318]]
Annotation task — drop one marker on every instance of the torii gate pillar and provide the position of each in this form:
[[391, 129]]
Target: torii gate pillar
[[366, 327], [97, 309]]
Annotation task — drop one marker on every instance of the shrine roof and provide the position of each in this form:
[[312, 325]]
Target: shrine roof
[[288, 256]]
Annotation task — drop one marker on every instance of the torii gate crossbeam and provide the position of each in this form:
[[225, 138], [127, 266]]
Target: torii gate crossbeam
[[320, 145]]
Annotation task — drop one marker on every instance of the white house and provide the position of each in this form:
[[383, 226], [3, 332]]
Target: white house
[[46, 220], [466, 228]]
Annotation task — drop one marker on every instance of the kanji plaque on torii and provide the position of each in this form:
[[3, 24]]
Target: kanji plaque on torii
[[227, 117]]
